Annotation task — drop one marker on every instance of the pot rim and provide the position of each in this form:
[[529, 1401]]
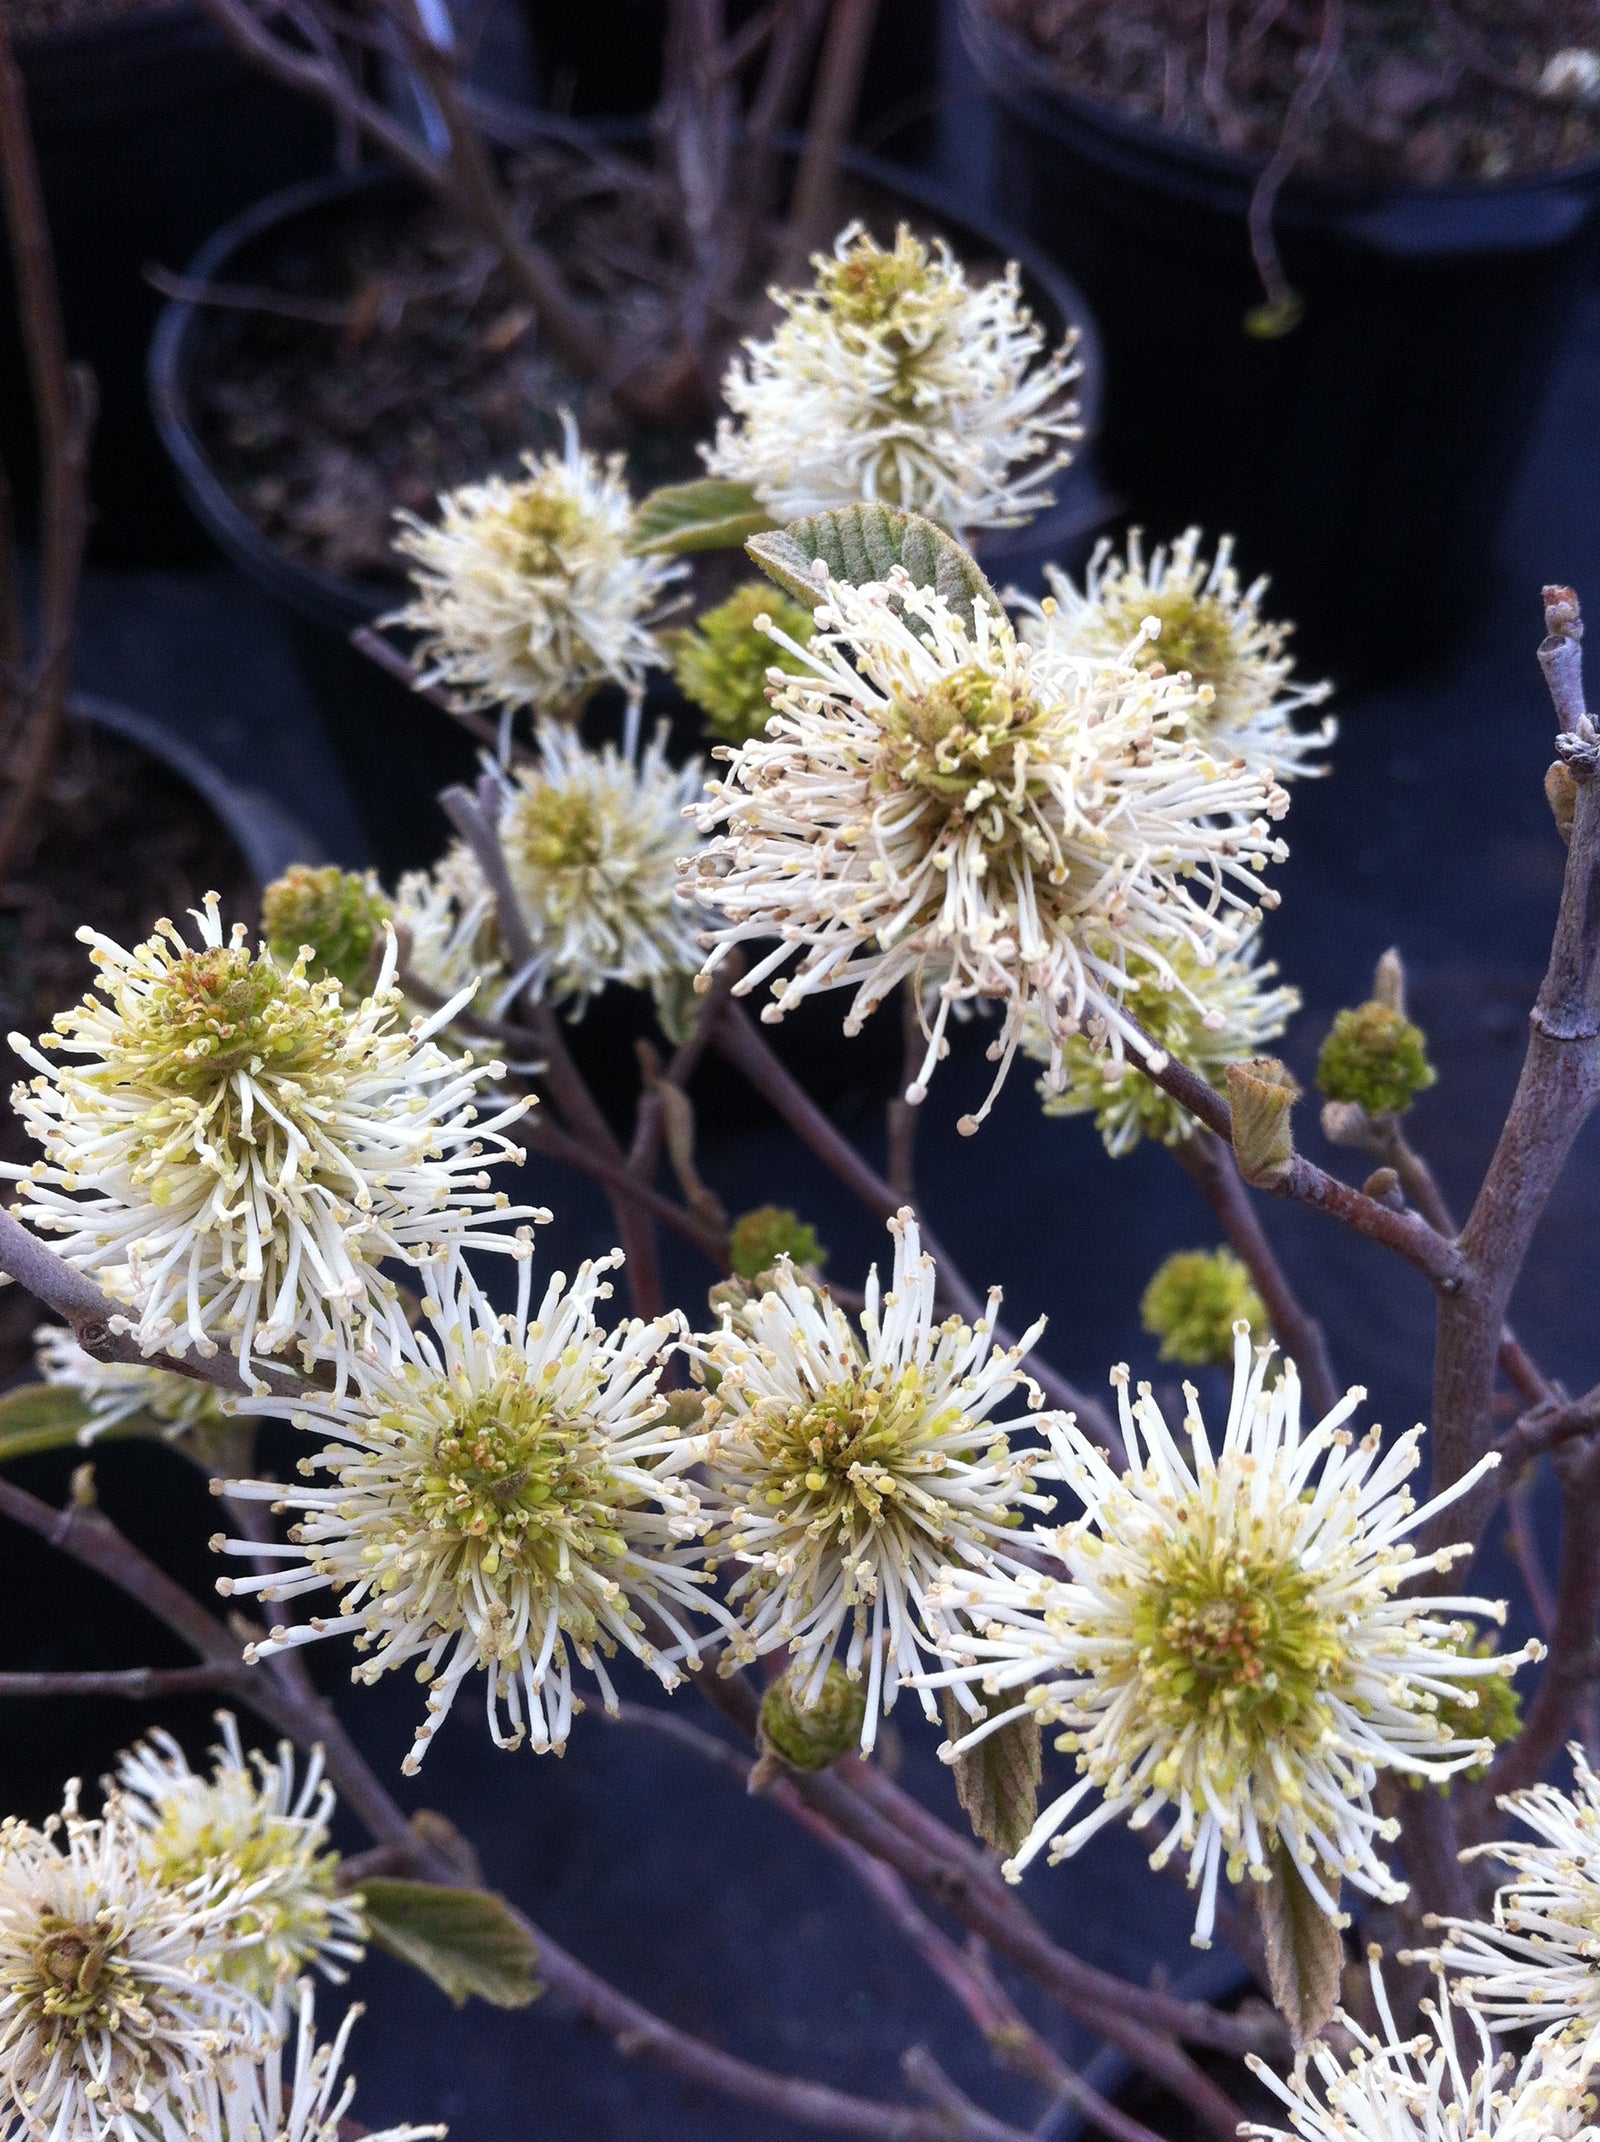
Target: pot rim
[[1020, 77], [343, 604], [268, 836]]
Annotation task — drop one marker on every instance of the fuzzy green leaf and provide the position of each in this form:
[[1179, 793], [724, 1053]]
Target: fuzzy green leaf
[[48, 1416], [858, 543], [709, 515], [465, 1940], [997, 1782], [1305, 1954]]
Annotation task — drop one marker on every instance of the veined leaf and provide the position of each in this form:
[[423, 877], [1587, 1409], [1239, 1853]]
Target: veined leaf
[[997, 1782], [1305, 1954], [466, 1940], [711, 514], [858, 543]]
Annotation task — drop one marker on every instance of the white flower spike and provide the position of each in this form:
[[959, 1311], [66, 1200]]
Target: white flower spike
[[894, 381], [849, 1468], [946, 807], [504, 1497], [113, 1996], [1227, 1649], [233, 1152], [251, 1813]]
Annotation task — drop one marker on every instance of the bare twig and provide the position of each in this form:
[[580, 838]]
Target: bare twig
[[1546, 1427], [1263, 243], [1571, 1666], [139, 1684], [812, 213], [1211, 1167], [367, 640], [1556, 1092]]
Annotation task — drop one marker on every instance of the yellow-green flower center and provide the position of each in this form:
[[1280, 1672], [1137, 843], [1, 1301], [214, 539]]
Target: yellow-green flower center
[[291, 1919], [223, 1010], [1233, 1642], [965, 734], [1196, 635], [552, 828], [508, 1481], [541, 525], [865, 288], [844, 1460]]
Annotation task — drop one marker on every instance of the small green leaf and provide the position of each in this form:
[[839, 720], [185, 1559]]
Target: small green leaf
[[1305, 1952], [997, 1782], [48, 1416], [858, 543], [465, 1940], [709, 515]]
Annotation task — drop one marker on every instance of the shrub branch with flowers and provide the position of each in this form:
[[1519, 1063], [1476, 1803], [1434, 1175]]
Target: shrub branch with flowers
[[277, 1179]]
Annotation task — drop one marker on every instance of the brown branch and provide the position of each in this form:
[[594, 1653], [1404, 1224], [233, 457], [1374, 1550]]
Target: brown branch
[[91, 1313], [1556, 1092], [738, 1039], [1546, 1427], [367, 640], [1212, 1168], [1305, 1183], [140, 1684], [813, 210]]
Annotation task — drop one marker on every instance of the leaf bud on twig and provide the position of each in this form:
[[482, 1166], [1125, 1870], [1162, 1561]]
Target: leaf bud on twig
[[1262, 1092]]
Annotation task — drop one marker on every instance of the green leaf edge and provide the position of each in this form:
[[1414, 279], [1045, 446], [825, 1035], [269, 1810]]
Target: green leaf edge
[[504, 1977], [708, 514], [37, 1417], [859, 543]]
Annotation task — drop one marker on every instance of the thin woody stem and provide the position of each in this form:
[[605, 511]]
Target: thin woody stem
[[1210, 1165], [138, 1684], [1571, 1667], [738, 1039], [1556, 1092]]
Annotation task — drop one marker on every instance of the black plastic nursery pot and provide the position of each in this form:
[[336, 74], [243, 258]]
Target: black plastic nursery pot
[[1365, 458], [148, 128], [396, 749]]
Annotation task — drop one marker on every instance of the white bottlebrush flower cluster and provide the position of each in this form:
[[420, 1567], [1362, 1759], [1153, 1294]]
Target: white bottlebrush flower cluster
[[1183, 613], [895, 381], [956, 809], [504, 1495], [594, 841], [112, 1995], [1208, 1016], [235, 1151], [846, 1469], [1428, 2087], [252, 1815], [1538, 1963], [526, 594], [445, 918], [1228, 1647]]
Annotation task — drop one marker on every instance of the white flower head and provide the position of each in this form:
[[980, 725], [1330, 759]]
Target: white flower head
[[233, 1151], [896, 382], [445, 919], [504, 1496], [1227, 1649], [1539, 1962], [593, 842], [1206, 1016], [850, 1467], [253, 1815], [1189, 614], [112, 1996], [946, 806], [526, 594], [1428, 2088], [249, 2098], [117, 1391]]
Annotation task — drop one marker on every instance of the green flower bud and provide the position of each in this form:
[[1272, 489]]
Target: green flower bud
[[760, 1238], [1193, 1303], [812, 1739], [338, 913], [721, 662], [1375, 1058]]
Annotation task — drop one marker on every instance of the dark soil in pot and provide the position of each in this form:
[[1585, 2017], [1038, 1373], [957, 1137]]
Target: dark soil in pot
[[149, 129], [124, 840], [1364, 458]]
